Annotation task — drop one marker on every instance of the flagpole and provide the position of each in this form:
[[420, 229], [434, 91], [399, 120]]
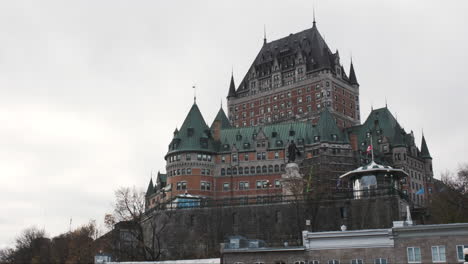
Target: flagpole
[[372, 147]]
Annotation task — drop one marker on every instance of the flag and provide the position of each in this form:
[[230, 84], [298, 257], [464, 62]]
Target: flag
[[421, 191], [369, 148]]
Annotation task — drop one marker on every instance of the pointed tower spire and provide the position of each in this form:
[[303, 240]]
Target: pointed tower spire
[[264, 34], [232, 87], [424, 149], [352, 74], [150, 189]]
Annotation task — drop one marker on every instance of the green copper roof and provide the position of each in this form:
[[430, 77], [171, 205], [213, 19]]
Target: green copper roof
[[150, 189], [277, 135], [398, 138], [221, 116], [327, 130], [424, 149], [194, 135], [162, 178]]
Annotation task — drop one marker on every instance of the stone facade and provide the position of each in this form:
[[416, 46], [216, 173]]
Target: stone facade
[[197, 232], [407, 244]]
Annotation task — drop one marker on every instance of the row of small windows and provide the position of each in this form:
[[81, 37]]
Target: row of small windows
[[252, 170], [188, 157], [188, 171], [260, 156], [279, 97], [260, 184]]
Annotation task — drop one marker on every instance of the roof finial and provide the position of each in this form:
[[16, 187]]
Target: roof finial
[[194, 94], [386, 102], [221, 103], [264, 34], [313, 11]]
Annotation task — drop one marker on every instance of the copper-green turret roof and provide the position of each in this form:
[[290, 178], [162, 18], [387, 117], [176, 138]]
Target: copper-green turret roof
[[150, 189], [194, 134], [221, 117], [424, 149], [327, 130]]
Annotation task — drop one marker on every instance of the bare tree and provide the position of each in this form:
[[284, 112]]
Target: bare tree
[[449, 203], [141, 232]]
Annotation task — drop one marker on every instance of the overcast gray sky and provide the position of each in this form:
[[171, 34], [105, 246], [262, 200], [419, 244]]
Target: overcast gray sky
[[91, 91]]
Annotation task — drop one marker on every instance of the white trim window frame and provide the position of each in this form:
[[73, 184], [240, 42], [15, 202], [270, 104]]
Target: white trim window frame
[[357, 261], [438, 254], [413, 254], [380, 261], [460, 256], [333, 261]]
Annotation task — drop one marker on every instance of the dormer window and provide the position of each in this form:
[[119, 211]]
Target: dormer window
[[292, 133], [254, 135], [368, 134], [279, 143], [226, 146], [204, 142], [274, 134], [246, 145], [316, 138], [334, 137], [238, 137], [300, 141], [190, 131]]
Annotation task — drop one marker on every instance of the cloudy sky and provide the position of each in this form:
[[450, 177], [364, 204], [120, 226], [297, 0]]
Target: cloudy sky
[[91, 91]]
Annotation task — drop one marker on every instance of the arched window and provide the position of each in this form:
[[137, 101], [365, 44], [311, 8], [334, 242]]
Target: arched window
[[259, 169], [246, 170], [228, 171], [252, 170], [234, 171], [241, 170], [276, 168], [270, 168], [223, 172], [264, 169], [282, 167]]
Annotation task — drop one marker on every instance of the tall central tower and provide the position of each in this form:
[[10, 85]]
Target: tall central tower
[[293, 79]]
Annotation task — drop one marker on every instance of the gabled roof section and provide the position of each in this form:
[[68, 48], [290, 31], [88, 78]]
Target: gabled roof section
[[352, 75], [232, 88], [424, 149], [222, 118], [194, 134], [327, 130], [309, 45], [150, 189]]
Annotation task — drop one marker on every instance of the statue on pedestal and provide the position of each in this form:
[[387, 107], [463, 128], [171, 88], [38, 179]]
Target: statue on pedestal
[[292, 151]]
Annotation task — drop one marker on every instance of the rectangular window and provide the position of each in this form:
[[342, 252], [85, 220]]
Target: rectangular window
[[179, 184], [277, 184], [357, 261], [204, 157], [460, 252], [199, 157], [208, 186], [223, 159], [203, 186], [226, 186], [259, 184], [243, 185], [263, 155], [234, 157], [188, 157], [209, 157], [246, 157], [189, 171], [259, 156], [276, 155], [414, 254], [438, 254], [380, 261], [333, 261]]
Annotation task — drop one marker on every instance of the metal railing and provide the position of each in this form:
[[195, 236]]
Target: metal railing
[[312, 196]]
